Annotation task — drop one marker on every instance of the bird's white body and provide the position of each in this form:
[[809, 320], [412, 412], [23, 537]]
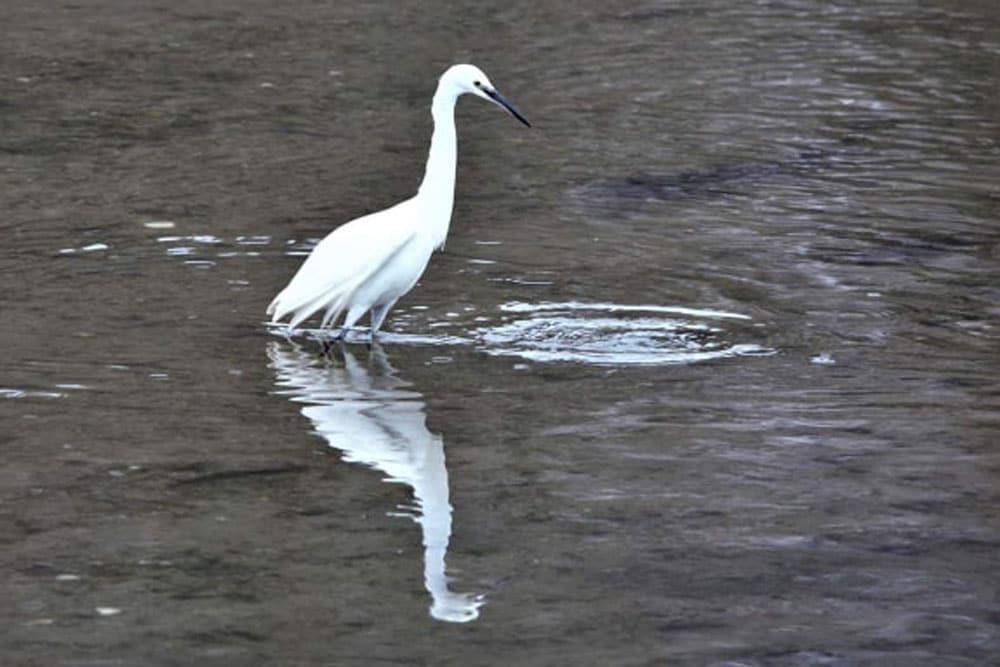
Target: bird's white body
[[370, 262], [364, 265]]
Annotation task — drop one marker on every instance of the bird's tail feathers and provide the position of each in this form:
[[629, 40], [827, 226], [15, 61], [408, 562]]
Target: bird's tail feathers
[[279, 307], [334, 298], [334, 305], [273, 307], [301, 313], [334, 311]]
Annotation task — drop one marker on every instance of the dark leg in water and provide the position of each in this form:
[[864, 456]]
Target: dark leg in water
[[328, 341]]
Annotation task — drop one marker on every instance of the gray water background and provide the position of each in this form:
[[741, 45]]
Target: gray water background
[[787, 456]]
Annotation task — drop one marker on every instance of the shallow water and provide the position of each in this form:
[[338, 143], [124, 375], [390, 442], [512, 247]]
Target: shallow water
[[707, 373]]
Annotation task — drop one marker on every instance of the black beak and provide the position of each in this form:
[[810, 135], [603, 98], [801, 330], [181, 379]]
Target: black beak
[[498, 98]]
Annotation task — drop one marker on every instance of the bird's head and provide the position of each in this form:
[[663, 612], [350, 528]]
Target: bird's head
[[462, 79]]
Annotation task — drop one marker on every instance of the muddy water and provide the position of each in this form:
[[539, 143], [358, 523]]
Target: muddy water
[[707, 373]]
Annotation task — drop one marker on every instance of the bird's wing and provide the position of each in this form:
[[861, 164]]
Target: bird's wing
[[342, 261]]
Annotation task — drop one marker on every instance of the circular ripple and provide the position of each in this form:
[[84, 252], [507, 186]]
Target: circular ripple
[[613, 334]]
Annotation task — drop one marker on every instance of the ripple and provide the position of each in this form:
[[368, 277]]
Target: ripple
[[15, 393], [204, 246], [523, 307], [93, 247], [585, 333], [360, 335], [572, 331]]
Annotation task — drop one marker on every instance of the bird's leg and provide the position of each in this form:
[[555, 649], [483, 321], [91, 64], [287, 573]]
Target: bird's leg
[[331, 346], [330, 340], [378, 316], [354, 314]]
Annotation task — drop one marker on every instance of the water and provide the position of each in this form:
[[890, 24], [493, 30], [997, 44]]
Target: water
[[707, 373]]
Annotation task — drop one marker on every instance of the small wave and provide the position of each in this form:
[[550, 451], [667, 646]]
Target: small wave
[[361, 335], [566, 332], [521, 307], [590, 333]]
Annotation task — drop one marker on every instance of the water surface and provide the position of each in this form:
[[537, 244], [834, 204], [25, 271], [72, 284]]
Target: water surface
[[707, 373]]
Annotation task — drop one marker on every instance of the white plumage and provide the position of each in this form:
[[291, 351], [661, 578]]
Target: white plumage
[[367, 264]]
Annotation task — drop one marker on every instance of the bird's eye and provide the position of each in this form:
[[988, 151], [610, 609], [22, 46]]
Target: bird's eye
[[477, 84]]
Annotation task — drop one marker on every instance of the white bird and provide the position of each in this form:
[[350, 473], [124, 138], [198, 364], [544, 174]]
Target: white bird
[[370, 262]]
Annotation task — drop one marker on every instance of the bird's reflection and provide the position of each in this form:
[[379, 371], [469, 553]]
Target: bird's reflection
[[365, 410]]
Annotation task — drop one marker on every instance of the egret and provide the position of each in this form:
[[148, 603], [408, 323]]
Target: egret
[[367, 264]]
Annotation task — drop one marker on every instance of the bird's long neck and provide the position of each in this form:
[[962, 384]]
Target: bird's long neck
[[437, 191]]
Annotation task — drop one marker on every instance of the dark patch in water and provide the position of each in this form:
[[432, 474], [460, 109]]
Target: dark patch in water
[[239, 472], [660, 13], [700, 182]]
